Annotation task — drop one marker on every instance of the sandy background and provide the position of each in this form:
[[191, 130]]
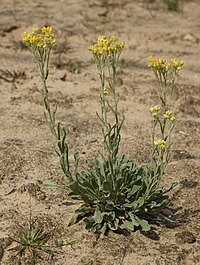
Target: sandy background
[[26, 154]]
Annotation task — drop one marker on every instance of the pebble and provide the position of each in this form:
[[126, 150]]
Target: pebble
[[190, 38], [9, 190]]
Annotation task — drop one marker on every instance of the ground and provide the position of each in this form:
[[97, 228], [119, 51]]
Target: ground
[[27, 157]]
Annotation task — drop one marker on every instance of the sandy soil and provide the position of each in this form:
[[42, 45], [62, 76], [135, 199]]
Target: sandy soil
[[26, 149]]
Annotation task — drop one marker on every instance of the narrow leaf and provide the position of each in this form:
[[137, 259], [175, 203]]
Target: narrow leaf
[[51, 184]]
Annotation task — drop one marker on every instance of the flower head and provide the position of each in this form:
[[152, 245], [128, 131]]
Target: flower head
[[157, 64], [106, 46], [162, 65], [175, 64], [43, 38], [105, 91], [168, 114], [160, 143], [154, 111]]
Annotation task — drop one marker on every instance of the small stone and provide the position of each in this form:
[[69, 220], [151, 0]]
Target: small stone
[[9, 190], [63, 77], [190, 38]]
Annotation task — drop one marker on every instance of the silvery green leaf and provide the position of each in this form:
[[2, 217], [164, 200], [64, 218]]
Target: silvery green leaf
[[98, 216], [135, 188], [133, 219], [73, 219], [129, 225], [104, 228], [143, 223], [166, 218], [114, 225], [80, 212], [140, 202], [100, 163], [51, 184]]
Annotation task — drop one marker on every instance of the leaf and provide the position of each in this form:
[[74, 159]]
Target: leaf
[[98, 216], [143, 223], [80, 212], [114, 225], [132, 216], [174, 184], [89, 188], [135, 188], [140, 202], [103, 229], [109, 207], [129, 225], [131, 204], [166, 218], [100, 164], [76, 158], [107, 186], [135, 204], [97, 178], [51, 184], [78, 189], [89, 222], [120, 183], [73, 219]]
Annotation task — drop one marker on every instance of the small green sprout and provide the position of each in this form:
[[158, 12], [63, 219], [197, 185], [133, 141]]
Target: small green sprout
[[30, 241], [173, 5]]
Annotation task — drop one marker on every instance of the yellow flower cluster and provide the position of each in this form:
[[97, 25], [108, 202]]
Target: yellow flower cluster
[[106, 46], [164, 66], [160, 143], [105, 91], [168, 115], [176, 64], [154, 111], [43, 38]]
